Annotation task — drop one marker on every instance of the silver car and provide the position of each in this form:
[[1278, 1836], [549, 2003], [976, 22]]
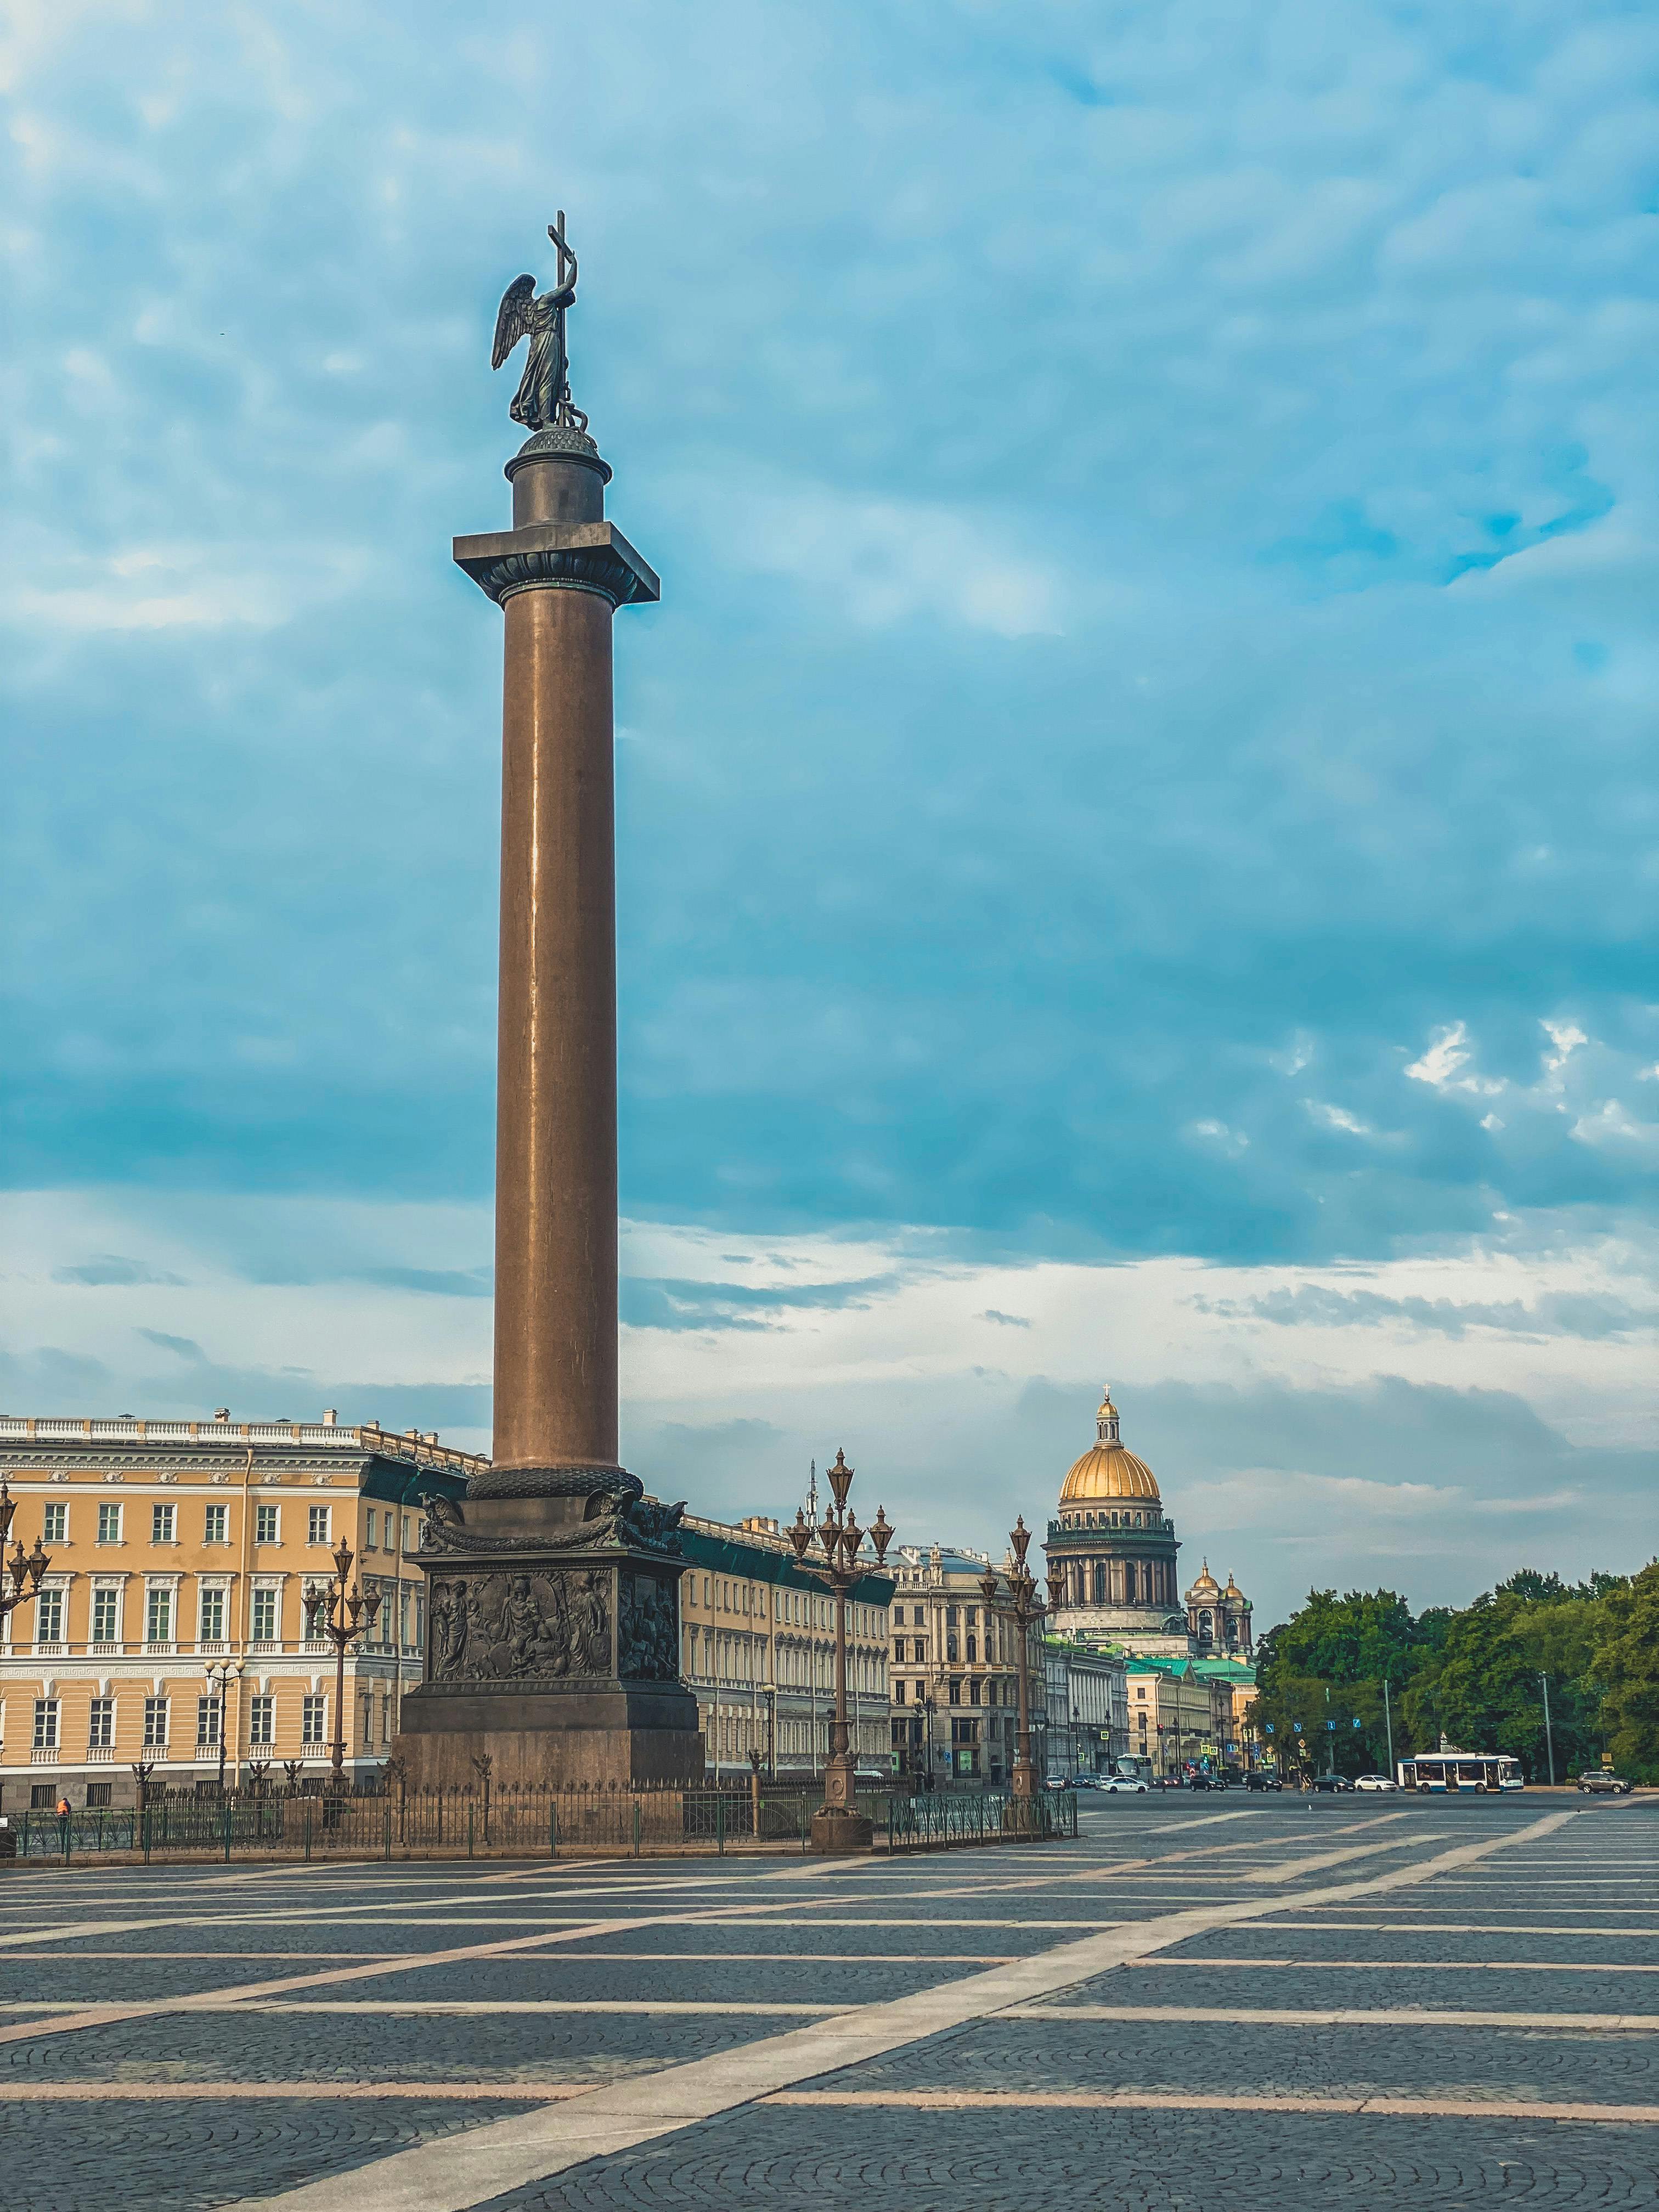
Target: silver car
[[1114, 1781]]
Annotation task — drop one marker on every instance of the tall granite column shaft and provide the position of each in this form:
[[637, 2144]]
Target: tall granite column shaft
[[556, 1109], [559, 574]]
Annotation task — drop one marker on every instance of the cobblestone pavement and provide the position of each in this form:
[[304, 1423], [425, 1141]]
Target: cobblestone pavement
[[1441, 2004]]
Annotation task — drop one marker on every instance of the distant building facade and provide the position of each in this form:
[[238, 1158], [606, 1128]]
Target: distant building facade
[[954, 1670], [758, 1639], [1085, 1708], [178, 1546]]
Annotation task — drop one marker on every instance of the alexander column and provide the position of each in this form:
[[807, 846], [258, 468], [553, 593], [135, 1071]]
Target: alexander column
[[553, 1611]]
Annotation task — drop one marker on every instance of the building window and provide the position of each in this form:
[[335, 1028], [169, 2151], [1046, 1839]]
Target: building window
[[368, 1540], [317, 1524], [207, 1723], [265, 1616], [43, 1795], [262, 1721], [98, 1795], [55, 1525], [265, 1524], [100, 1724], [156, 1723], [898, 1693], [950, 1616], [314, 1721], [951, 1651], [217, 1529], [45, 1724], [973, 1651], [210, 1627], [162, 1521], [109, 1524], [49, 1617], [409, 1530], [158, 1617], [106, 1615]]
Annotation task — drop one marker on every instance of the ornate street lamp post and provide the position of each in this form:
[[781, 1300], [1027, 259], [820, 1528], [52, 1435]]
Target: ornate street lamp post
[[341, 1614], [220, 1671], [1025, 1608], [840, 1827], [25, 1568]]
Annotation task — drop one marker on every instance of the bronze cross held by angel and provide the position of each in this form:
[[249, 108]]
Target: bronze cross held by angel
[[543, 398]]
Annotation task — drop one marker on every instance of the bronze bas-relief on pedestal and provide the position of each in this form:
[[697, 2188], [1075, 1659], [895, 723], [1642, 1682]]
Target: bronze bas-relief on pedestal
[[553, 1588]]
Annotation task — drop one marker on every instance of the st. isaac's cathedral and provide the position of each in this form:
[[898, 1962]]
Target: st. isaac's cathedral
[[1113, 1547]]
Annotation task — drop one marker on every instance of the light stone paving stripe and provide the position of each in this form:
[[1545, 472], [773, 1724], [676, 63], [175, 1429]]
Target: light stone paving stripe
[[1115, 1872], [646, 2007], [400, 1963], [1422, 1966], [104, 2092], [1321, 1859], [1343, 2016], [1449, 1927], [455, 2173], [1189, 2101]]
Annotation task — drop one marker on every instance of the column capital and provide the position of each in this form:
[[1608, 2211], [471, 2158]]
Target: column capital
[[582, 557]]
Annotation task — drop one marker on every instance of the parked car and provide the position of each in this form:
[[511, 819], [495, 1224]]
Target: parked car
[[1602, 1782], [1375, 1781], [1116, 1781], [1259, 1778], [1332, 1785], [1059, 1781]]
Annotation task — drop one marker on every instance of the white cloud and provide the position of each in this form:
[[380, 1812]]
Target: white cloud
[[1448, 1051], [920, 1358], [1337, 1117], [888, 560]]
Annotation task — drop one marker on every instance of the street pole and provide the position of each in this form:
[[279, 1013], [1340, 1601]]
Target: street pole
[[342, 1614], [1026, 1608], [220, 1671], [840, 1827], [1388, 1721], [1549, 1738]]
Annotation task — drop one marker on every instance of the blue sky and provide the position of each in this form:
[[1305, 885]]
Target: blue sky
[[1144, 762]]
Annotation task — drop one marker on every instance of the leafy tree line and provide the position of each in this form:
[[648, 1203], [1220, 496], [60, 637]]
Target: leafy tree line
[[1345, 1668]]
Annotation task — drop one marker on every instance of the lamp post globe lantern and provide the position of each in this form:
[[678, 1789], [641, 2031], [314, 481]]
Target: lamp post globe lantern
[[25, 1569], [341, 1612], [1025, 1607], [220, 1674], [830, 1554]]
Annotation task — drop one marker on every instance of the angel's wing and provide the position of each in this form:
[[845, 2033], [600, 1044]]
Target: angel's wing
[[513, 318]]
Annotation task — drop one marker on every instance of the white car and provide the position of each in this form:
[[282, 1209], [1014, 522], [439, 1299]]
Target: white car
[[1121, 1781], [1374, 1782]]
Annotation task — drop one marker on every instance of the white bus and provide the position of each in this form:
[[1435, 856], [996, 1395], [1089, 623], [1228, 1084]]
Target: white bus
[[1460, 1770]]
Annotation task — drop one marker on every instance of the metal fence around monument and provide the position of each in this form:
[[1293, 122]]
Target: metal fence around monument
[[519, 1823]]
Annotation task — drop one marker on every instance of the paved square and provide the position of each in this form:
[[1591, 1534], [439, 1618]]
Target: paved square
[[1385, 2003]]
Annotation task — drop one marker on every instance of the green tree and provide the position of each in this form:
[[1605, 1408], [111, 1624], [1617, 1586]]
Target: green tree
[[1327, 1664], [1625, 1666], [1482, 1687]]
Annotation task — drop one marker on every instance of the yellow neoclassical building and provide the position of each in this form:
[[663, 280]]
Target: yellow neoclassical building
[[178, 1548], [759, 1646]]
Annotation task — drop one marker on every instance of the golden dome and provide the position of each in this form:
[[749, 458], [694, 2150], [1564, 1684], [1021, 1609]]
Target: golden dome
[[1206, 1588], [1233, 1591], [1106, 1469]]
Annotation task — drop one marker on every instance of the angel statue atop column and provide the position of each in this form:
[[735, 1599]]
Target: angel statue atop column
[[543, 398]]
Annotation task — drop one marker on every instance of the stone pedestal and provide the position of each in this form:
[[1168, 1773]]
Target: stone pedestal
[[554, 1649], [836, 1833], [553, 1591]]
